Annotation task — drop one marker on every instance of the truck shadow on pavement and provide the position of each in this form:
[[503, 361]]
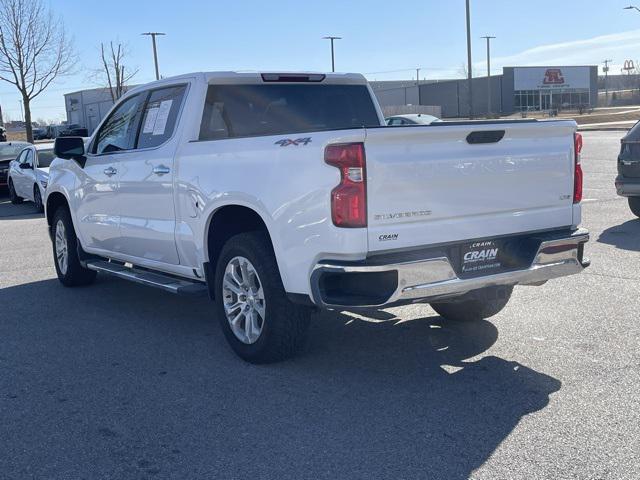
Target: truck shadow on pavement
[[625, 236], [123, 381]]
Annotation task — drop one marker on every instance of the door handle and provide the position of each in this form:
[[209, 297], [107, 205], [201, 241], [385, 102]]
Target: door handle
[[161, 170], [110, 171]]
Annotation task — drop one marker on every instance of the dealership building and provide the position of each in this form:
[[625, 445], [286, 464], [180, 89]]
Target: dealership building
[[518, 89]]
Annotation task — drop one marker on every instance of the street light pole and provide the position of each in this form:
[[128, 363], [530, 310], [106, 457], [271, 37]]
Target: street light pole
[[418, 85], [606, 86], [489, 38], [155, 51], [333, 62], [469, 71]]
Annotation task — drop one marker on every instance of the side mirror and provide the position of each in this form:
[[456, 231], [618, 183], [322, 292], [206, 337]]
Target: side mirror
[[70, 148], [25, 166]]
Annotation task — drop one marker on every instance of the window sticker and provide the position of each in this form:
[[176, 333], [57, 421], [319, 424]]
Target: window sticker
[[150, 122], [162, 117]]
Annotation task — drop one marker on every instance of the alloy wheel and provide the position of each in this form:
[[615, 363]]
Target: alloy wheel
[[37, 198], [243, 299], [62, 251]]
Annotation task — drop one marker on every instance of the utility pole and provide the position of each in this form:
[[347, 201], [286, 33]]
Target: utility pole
[[489, 38], [605, 69], [333, 61], [469, 71], [155, 51], [418, 85]]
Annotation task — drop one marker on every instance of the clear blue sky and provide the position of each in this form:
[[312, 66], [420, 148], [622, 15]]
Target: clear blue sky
[[387, 36]]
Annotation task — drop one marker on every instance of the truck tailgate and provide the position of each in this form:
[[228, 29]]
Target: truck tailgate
[[428, 185]]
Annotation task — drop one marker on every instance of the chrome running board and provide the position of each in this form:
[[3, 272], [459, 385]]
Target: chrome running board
[[180, 286]]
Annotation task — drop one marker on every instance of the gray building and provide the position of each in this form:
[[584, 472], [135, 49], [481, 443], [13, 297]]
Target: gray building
[[517, 89], [88, 107]]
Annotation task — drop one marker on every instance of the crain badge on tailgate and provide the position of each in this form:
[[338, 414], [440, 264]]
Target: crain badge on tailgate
[[388, 237]]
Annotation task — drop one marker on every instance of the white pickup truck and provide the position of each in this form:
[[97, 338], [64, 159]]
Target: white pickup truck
[[277, 192]]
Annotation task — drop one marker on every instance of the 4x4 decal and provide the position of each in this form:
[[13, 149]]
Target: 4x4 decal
[[285, 142]]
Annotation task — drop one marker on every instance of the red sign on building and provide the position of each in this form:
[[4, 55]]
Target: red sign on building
[[553, 76]]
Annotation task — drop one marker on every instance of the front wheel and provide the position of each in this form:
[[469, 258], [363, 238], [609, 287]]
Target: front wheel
[[476, 305], [13, 196], [258, 320], [70, 271], [634, 205]]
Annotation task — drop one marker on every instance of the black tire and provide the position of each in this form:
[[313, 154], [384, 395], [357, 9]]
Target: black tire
[[634, 205], [74, 274], [476, 305], [284, 328], [13, 196], [37, 199]]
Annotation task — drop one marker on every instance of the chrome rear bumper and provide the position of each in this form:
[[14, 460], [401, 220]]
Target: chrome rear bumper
[[430, 279]]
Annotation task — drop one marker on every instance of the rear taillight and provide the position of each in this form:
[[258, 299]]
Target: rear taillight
[[577, 176], [349, 198]]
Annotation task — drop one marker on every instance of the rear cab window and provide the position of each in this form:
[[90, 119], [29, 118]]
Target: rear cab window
[[235, 111]]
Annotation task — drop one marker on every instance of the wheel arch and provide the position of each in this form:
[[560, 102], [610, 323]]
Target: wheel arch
[[227, 221], [54, 201]]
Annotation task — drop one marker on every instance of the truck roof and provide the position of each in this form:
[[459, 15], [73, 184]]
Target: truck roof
[[252, 77]]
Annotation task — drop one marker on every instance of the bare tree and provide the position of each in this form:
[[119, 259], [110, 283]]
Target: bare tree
[[113, 71], [34, 50]]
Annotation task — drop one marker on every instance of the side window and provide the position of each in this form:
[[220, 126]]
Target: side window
[[22, 156], [28, 158], [119, 131], [160, 116]]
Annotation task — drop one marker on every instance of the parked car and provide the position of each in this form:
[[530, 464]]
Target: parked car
[[628, 179], [3, 134], [411, 119], [51, 132], [8, 152], [29, 174], [39, 133], [279, 192], [73, 130]]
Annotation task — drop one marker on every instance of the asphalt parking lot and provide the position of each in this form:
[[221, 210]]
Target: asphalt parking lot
[[121, 381]]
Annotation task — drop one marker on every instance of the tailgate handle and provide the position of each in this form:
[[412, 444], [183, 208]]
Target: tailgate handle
[[486, 136]]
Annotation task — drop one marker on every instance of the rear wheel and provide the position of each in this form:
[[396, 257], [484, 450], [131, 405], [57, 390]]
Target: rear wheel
[[634, 205], [70, 271], [37, 199], [476, 305], [258, 320], [13, 196]]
